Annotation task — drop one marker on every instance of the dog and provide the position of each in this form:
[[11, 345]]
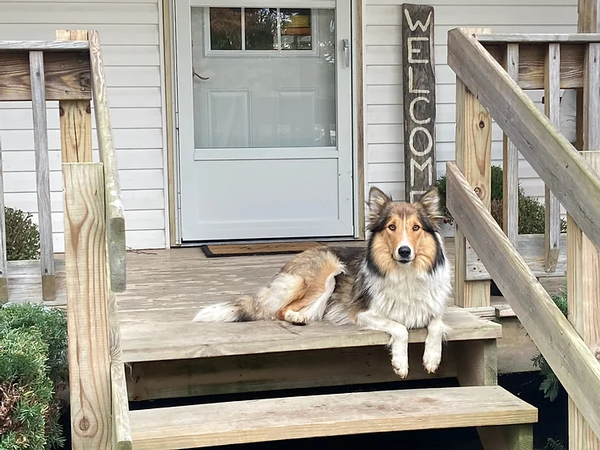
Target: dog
[[399, 281]]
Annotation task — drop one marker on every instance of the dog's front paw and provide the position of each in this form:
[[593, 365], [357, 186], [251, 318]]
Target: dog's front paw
[[431, 361], [295, 318], [400, 366]]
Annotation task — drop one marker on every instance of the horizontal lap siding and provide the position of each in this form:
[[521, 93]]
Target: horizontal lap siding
[[383, 78], [129, 35]]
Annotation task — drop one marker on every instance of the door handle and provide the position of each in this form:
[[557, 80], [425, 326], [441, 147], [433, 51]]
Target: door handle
[[196, 74], [346, 50]]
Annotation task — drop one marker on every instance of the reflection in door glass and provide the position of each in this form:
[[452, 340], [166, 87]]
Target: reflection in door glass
[[296, 32], [261, 28], [275, 90], [225, 29]]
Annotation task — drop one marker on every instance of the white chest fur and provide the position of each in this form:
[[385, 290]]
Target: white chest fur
[[410, 297]]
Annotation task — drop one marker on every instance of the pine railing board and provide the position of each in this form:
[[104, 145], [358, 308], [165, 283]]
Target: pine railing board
[[538, 38], [510, 161], [44, 46], [571, 360], [42, 174], [552, 110], [3, 254], [114, 204], [87, 308], [550, 154]]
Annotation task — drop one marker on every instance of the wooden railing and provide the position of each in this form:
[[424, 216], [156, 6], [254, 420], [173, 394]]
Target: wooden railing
[[70, 70], [486, 90]]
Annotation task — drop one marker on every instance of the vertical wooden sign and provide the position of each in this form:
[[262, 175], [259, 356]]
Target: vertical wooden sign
[[419, 99]]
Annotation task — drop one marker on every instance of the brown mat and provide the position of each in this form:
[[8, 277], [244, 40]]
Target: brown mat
[[275, 248]]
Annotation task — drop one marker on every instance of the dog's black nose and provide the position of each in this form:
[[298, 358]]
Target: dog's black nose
[[404, 251]]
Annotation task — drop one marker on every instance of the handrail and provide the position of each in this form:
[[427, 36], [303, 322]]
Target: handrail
[[550, 154], [571, 360], [115, 214]]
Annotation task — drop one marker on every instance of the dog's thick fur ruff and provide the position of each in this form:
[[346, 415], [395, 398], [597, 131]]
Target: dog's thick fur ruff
[[401, 280]]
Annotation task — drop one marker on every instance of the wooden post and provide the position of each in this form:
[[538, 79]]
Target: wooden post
[[510, 162], [75, 116], [583, 259], [552, 110], [583, 293], [419, 99], [3, 256], [87, 297], [474, 158], [42, 172]]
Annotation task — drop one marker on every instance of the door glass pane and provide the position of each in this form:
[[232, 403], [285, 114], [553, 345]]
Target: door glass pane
[[296, 32], [261, 28], [225, 29], [277, 90]]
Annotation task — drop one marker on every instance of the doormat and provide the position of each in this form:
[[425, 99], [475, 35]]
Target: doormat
[[275, 248]]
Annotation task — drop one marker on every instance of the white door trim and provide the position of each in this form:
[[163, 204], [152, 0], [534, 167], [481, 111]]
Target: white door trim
[[184, 87]]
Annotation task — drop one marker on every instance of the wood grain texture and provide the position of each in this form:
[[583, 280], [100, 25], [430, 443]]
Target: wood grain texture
[[583, 294], [44, 45], [538, 38], [275, 371], [361, 123], [571, 360], [532, 62], [87, 308], [531, 248], [474, 157], [114, 203], [3, 255], [142, 340], [510, 161], [42, 173], [418, 87], [552, 110], [67, 75], [328, 415], [591, 99], [119, 400], [76, 130], [75, 115], [477, 363], [587, 16], [549, 152]]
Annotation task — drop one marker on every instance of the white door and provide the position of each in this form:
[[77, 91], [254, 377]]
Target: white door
[[265, 120]]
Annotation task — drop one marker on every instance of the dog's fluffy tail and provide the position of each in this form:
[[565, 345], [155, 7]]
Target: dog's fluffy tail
[[245, 309]]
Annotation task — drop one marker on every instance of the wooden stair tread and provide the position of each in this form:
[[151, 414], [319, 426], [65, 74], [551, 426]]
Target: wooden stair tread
[[326, 415], [174, 340]]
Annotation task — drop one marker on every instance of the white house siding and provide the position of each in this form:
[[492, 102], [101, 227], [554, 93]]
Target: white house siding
[[383, 91], [129, 34]]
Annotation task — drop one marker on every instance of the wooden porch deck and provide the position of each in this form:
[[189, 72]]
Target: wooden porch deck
[[166, 287]]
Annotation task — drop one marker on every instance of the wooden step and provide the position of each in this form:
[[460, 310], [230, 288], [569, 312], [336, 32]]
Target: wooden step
[[326, 415], [175, 340]]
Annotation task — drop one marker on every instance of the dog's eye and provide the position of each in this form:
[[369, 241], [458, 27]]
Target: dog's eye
[[392, 227], [416, 228]]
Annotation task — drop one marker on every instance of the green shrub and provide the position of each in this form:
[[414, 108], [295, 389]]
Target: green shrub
[[550, 384], [531, 211], [33, 365], [22, 235]]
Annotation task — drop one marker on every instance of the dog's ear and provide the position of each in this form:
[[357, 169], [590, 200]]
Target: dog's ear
[[430, 202], [378, 200]]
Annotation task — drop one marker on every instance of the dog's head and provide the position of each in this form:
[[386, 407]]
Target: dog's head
[[404, 234]]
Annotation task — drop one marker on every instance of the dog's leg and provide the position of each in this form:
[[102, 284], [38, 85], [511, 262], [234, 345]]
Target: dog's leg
[[433, 345], [399, 338]]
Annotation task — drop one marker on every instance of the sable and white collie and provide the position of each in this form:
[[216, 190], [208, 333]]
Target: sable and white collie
[[401, 280]]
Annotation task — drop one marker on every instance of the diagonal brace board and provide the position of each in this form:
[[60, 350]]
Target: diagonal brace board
[[570, 358], [550, 154]]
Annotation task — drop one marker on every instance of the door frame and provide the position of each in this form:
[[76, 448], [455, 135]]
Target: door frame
[[174, 64]]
